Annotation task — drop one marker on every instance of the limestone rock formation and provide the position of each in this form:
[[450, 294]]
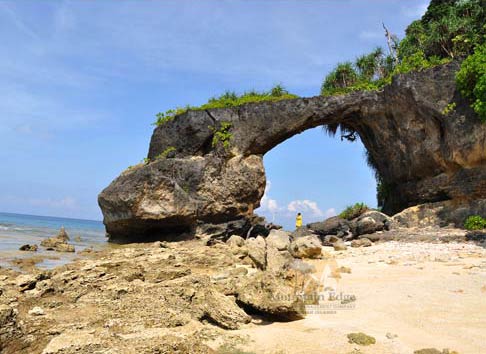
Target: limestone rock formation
[[422, 155]]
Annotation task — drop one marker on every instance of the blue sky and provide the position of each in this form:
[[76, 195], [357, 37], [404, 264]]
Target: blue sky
[[82, 81]]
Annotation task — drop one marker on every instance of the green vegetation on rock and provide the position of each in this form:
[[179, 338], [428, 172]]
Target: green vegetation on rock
[[353, 211], [227, 100], [449, 29], [475, 222], [471, 80], [222, 135], [164, 154], [361, 339]]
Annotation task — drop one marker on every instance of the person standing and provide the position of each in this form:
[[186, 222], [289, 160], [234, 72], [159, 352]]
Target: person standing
[[298, 221]]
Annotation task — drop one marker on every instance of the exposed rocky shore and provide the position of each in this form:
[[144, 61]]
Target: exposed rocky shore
[[207, 296]]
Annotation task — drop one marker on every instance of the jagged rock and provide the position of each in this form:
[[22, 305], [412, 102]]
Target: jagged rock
[[29, 248], [267, 294], [278, 239], [58, 243], [220, 309], [330, 240], [26, 282], [64, 247], [306, 247], [9, 328], [421, 155], [236, 241], [278, 261], [362, 242], [257, 251]]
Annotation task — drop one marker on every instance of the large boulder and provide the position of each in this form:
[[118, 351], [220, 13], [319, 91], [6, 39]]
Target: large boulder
[[278, 239], [268, 295], [306, 247], [370, 222], [422, 155], [331, 226], [278, 255]]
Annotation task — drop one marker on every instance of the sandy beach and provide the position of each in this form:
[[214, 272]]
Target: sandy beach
[[407, 295]]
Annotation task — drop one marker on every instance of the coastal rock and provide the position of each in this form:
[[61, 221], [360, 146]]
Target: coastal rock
[[58, 243], [421, 155], [257, 251], [331, 226], [370, 222], [268, 295], [339, 246], [236, 241], [9, 329], [306, 247], [362, 242], [278, 239], [29, 248]]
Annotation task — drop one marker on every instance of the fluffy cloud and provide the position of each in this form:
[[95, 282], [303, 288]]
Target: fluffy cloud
[[268, 204], [305, 206]]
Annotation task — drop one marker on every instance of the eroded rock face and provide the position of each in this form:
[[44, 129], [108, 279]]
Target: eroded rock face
[[422, 155]]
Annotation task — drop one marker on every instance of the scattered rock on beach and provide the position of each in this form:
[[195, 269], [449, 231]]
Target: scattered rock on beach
[[36, 311], [29, 248], [362, 242], [268, 295], [58, 243], [339, 246], [306, 247], [361, 339]]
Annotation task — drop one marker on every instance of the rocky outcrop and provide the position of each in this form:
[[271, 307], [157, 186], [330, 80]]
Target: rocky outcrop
[[421, 154], [58, 243]]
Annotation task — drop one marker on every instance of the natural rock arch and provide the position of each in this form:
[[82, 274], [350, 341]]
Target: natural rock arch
[[421, 155]]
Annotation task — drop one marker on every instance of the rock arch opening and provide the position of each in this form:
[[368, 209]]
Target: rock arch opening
[[316, 174]]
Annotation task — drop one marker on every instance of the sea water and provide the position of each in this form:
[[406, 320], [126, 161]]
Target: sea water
[[18, 229]]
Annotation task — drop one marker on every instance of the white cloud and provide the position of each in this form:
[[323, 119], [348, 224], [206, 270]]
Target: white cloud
[[268, 204], [305, 206], [416, 11]]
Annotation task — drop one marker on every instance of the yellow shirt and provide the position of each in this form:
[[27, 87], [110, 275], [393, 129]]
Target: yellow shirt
[[298, 221]]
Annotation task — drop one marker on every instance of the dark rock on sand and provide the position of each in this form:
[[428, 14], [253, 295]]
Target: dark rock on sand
[[29, 248]]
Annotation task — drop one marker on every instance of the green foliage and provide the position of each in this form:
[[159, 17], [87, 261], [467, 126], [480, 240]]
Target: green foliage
[[471, 80], [475, 222], [229, 99], [451, 107], [222, 135], [146, 161], [449, 28], [166, 152], [167, 116], [418, 62], [353, 211]]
